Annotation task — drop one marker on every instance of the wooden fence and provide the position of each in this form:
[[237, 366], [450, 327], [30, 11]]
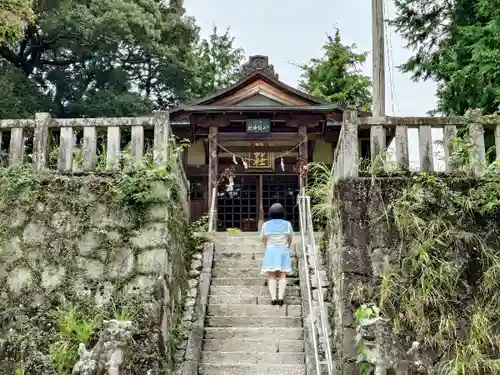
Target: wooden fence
[[40, 129], [347, 159]]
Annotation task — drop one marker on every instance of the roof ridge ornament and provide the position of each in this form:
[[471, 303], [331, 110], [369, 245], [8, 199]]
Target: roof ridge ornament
[[259, 62]]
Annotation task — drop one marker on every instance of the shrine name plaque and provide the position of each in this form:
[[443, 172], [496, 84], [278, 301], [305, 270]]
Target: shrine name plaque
[[258, 159], [258, 126]]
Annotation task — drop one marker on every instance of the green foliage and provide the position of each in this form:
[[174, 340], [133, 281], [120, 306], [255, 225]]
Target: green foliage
[[320, 188], [444, 291], [456, 44], [15, 15], [103, 58], [233, 231], [336, 76], [217, 64], [366, 316], [74, 329]]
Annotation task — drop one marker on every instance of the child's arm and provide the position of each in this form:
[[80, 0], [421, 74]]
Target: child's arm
[[263, 236], [290, 234]]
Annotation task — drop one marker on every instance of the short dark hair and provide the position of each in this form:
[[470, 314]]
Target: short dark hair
[[277, 211]]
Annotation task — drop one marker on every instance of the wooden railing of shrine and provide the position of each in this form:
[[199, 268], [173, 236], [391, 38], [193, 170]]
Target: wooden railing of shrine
[[346, 162], [16, 134]]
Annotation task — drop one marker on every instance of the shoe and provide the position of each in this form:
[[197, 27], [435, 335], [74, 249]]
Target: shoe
[[281, 302], [274, 302]]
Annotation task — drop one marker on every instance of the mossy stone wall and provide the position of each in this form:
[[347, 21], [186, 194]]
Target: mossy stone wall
[[77, 244], [423, 249]]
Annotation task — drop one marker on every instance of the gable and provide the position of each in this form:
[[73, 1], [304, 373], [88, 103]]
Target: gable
[[256, 100], [262, 88]]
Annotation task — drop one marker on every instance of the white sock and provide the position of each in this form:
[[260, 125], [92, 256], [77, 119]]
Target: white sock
[[272, 287], [282, 287]]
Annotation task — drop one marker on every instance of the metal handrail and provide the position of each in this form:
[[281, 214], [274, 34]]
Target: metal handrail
[[212, 211], [307, 231]]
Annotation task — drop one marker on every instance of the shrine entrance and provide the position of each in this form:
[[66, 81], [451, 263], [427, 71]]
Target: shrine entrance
[[240, 208], [281, 189]]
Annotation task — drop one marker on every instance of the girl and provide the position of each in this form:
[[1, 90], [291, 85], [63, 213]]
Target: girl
[[277, 235]]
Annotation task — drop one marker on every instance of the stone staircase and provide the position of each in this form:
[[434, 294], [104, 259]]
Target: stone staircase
[[244, 334]]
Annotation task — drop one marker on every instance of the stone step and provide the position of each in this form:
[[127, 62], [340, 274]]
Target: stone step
[[271, 345], [251, 321], [253, 290], [250, 299], [221, 271], [247, 281], [253, 358], [254, 310], [250, 369], [254, 333]]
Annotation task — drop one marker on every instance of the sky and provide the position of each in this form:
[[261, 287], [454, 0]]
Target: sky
[[292, 32]]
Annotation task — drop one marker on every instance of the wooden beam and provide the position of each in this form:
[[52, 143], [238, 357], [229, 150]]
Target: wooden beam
[[243, 149], [303, 152], [240, 136]]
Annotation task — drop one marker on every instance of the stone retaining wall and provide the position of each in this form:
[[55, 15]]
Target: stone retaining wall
[[74, 251]]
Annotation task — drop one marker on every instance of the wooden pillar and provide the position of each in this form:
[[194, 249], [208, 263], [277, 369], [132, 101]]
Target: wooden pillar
[[303, 152], [212, 171], [261, 204]]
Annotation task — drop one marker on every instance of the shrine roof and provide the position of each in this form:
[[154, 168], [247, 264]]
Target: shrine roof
[[259, 90]]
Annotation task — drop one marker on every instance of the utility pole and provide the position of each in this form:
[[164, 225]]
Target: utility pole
[[378, 63]]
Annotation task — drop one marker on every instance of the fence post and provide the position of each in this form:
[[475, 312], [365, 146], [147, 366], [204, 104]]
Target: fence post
[[41, 141], [377, 144], [449, 135], [476, 133], [161, 138], [425, 148], [350, 142]]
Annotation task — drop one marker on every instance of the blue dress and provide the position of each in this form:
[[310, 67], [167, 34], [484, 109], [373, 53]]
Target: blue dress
[[277, 253]]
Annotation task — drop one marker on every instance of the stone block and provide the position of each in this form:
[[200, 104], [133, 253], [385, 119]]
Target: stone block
[[34, 233], [151, 236], [88, 243], [103, 217], [121, 263], [349, 349], [19, 278], [250, 369], [52, 277], [158, 212], [11, 251], [153, 261], [355, 259], [355, 233], [90, 268], [139, 284], [251, 321]]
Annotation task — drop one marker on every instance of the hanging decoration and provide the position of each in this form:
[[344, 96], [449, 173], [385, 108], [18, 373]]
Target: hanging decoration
[[301, 166], [246, 160], [227, 175], [282, 165]]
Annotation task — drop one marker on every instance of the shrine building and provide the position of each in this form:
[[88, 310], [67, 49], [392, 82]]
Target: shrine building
[[251, 140]]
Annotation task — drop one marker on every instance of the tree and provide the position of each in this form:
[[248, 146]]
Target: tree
[[336, 76], [217, 63], [106, 57], [456, 44], [14, 16]]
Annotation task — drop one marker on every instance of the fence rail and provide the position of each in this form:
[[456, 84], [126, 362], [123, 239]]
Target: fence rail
[[346, 162], [39, 129]]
